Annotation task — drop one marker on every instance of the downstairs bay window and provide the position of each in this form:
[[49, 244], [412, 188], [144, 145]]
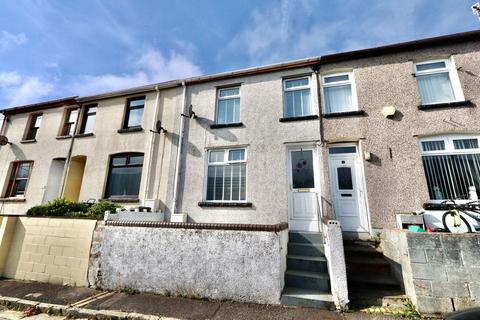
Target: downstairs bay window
[[226, 175], [452, 166]]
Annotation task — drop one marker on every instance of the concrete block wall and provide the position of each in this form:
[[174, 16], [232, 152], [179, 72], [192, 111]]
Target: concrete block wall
[[440, 270], [51, 250]]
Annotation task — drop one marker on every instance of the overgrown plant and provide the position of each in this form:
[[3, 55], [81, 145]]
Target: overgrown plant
[[66, 208], [408, 311]]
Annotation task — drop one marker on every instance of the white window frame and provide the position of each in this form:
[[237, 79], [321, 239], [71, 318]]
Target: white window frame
[[308, 86], [452, 74], [225, 162], [350, 81], [228, 98]]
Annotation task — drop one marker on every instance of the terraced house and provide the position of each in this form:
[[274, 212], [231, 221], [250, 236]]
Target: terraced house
[[354, 136]]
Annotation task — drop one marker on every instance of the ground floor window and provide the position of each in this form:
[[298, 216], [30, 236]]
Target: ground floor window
[[19, 177], [124, 175], [226, 175], [452, 166]]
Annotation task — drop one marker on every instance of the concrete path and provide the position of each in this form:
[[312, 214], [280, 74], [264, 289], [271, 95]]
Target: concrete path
[[137, 305]]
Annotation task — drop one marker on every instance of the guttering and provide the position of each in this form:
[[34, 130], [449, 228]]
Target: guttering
[[150, 145], [40, 106], [179, 150]]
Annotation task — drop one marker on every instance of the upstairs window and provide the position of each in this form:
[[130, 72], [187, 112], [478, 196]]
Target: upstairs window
[[339, 93], [20, 174], [228, 105], [88, 121], [33, 126], [452, 165], [134, 113], [71, 117], [297, 101], [124, 175], [438, 82], [226, 175]]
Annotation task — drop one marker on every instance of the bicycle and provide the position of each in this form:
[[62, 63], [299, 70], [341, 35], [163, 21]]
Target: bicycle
[[456, 219]]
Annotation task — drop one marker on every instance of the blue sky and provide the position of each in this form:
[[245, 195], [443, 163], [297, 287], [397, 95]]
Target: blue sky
[[58, 48]]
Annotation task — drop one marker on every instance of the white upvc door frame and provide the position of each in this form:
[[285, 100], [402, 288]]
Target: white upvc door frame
[[315, 148]]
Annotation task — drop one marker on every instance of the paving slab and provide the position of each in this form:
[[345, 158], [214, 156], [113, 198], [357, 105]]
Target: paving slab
[[44, 292], [152, 304]]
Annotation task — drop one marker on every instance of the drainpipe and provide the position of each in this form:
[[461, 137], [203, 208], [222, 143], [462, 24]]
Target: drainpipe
[[70, 150], [316, 70], [4, 125], [179, 150], [150, 146]]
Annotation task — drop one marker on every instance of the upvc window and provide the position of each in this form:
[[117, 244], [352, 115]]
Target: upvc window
[[134, 113], [71, 117], [33, 126], [438, 82], [226, 175], [88, 121], [452, 165], [20, 174], [339, 93], [228, 105], [124, 176], [297, 101]]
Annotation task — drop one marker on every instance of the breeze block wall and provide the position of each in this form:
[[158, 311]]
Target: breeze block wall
[[52, 250], [175, 259], [439, 270]]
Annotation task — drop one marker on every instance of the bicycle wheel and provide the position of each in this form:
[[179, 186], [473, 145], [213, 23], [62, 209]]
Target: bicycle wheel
[[450, 225]]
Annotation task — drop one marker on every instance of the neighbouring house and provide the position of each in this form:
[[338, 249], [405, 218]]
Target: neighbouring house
[[355, 136]]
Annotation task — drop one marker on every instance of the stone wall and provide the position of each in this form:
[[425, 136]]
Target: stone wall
[[216, 264], [53, 250], [439, 270]]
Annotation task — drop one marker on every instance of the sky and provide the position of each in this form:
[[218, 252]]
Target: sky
[[60, 48]]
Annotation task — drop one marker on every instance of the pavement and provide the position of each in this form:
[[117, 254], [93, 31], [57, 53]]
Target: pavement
[[60, 302]]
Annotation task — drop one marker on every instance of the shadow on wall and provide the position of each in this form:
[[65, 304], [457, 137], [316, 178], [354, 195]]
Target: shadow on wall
[[19, 155], [327, 208], [15, 252], [191, 148], [221, 133]]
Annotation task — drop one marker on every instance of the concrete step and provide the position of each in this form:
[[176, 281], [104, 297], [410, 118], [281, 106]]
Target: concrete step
[[366, 297], [307, 298], [361, 251], [307, 263], [367, 264], [306, 249], [375, 281], [307, 280], [305, 237]]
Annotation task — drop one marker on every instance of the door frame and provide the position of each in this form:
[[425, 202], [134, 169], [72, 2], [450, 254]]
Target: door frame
[[362, 195], [314, 146]]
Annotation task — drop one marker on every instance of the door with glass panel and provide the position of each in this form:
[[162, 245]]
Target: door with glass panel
[[303, 190], [347, 193]]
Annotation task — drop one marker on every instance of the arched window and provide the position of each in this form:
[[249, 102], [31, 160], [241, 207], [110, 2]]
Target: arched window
[[124, 175], [452, 165]]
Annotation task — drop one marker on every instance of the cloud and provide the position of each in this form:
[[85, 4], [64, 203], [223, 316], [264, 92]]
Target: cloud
[[150, 67], [18, 89], [9, 40], [293, 30]]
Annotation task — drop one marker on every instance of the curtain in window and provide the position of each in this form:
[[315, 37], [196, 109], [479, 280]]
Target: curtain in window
[[297, 103], [435, 88], [465, 144], [124, 182], [229, 111], [226, 182], [450, 176], [338, 98], [433, 145]]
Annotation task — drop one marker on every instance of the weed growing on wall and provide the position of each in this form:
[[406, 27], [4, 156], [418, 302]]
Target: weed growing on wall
[[65, 208]]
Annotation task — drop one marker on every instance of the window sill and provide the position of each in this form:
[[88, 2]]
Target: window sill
[[63, 137], [345, 114], [225, 204], [131, 129], [29, 141], [83, 135], [126, 200], [304, 118], [13, 199], [466, 103], [226, 125]]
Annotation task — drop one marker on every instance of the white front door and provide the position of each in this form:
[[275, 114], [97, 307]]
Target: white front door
[[303, 190], [346, 188]]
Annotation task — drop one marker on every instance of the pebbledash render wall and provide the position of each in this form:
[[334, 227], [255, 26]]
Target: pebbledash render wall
[[395, 179], [438, 270], [53, 250], [187, 261]]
